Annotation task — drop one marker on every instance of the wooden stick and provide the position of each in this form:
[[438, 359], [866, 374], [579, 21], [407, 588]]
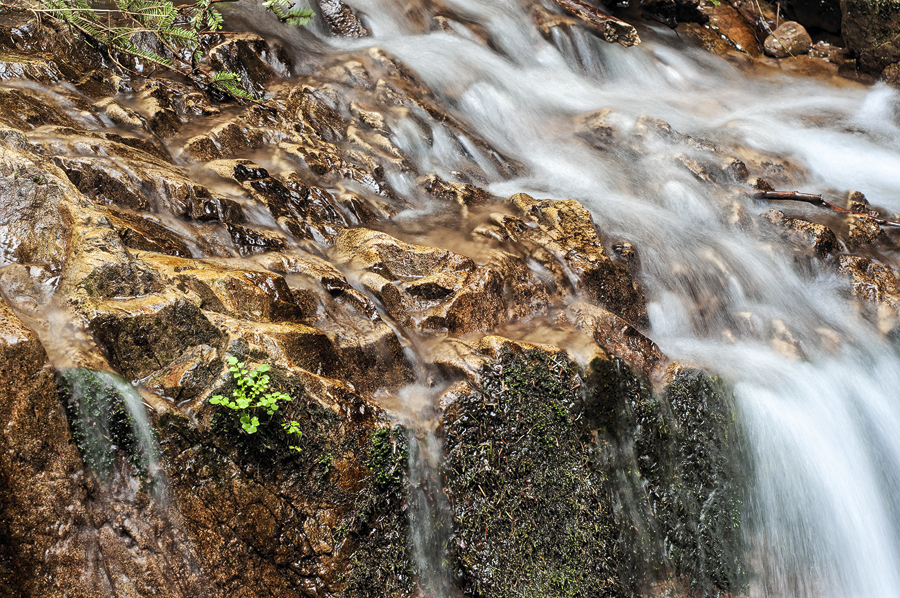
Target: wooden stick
[[602, 24], [818, 201]]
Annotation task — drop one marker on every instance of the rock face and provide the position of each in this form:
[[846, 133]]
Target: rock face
[[187, 233], [821, 14], [790, 39], [869, 29]]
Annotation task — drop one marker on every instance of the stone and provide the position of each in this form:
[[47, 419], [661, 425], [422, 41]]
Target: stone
[[725, 30], [617, 337], [877, 284], [563, 233], [789, 39], [342, 20], [816, 238], [869, 29], [441, 290], [891, 75], [256, 61]]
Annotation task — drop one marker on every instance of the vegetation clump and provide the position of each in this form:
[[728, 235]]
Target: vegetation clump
[[252, 396], [688, 447]]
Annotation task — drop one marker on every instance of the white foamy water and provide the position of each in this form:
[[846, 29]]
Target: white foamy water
[[822, 426]]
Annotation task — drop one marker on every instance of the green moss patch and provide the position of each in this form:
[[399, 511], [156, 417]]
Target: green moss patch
[[531, 511]]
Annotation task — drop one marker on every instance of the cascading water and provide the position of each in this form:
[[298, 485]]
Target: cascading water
[[822, 420]]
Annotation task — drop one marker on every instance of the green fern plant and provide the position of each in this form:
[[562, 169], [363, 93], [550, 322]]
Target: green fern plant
[[251, 397]]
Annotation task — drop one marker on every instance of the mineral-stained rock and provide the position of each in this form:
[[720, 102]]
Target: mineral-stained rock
[[560, 235], [342, 19], [817, 238], [876, 283], [790, 39], [617, 337], [869, 28], [255, 61]]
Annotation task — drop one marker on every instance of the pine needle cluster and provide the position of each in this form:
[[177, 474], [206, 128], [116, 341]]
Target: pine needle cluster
[[179, 32]]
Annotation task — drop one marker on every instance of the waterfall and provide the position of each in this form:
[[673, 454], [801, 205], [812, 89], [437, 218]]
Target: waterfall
[[815, 381]]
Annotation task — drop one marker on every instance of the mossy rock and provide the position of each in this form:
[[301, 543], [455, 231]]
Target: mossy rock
[[532, 513], [689, 452]]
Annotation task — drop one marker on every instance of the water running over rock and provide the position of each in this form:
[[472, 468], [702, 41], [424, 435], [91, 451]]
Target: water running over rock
[[355, 239]]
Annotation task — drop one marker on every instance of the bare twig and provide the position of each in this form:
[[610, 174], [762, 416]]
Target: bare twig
[[818, 201]]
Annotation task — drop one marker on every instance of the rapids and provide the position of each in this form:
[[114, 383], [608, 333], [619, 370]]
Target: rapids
[[825, 514]]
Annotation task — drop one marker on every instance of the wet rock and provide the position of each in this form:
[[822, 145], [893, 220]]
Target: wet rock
[[342, 20], [144, 234], [726, 31], [863, 231], [119, 114], [154, 101], [35, 202], [442, 290], [817, 238], [143, 335], [869, 29], [256, 61], [891, 75], [231, 287], [23, 110], [16, 66], [790, 39], [604, 26], [819, 14], [877, 284], [617, 337], [40, 499], [226, 140], [560, 235], [138, 181], [463, 194], [253, 504]]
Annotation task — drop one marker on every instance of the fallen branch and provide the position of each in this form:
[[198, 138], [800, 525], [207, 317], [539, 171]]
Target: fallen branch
[[818, 201], [602, 24]]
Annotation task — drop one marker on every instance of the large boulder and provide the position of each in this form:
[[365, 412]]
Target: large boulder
[[819, 14], [869, 28]]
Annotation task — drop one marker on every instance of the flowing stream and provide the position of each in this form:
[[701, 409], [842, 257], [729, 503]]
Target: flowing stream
[[819, 406]]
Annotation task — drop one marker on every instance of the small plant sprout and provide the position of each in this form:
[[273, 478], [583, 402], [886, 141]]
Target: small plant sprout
[[251, 395], [293, 428]]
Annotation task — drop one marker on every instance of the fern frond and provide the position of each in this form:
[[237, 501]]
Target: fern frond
[[229, 83]]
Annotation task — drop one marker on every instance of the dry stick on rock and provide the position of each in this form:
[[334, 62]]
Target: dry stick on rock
[[604, 25], [818, 201]]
